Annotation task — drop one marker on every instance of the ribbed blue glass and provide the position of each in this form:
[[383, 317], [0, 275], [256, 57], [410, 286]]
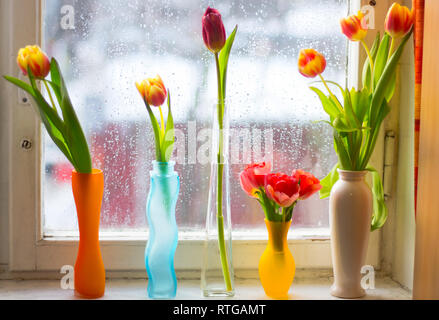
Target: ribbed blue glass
[[163, 232]]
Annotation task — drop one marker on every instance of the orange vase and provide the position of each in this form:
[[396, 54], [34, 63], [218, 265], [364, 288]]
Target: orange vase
[[276, 266], [88, 189]]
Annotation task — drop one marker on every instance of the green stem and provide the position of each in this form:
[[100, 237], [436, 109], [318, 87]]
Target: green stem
[[162, 122], [50, 95], [392, 45], [340, 108], [370, 62], [220, 217]]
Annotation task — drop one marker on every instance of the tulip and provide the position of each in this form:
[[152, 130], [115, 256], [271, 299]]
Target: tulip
[[399, 21], [311, 63], [253, 177], [354, 27], [34, 58], [214, 34], [308, 183], [282, 189], [152, 90]]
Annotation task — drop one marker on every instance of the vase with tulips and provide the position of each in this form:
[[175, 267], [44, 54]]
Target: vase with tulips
[[162, 196], [356, 121], [65, 130], [217, 270], [277, 194]]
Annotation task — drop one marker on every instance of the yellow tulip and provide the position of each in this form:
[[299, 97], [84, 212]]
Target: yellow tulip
[[353, 27], [311, 63], [36, 59], [152, 90]]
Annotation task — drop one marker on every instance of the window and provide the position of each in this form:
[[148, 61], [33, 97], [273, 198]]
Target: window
[[104, 46], [114, 44]]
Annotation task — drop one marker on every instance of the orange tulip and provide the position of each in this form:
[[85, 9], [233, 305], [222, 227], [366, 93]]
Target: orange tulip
[[36, 59], [152, 90], [308, 183], [354, 27], [311, 63], [399, 21]]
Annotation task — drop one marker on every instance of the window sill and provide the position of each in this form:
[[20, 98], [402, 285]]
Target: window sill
[[302, 289]]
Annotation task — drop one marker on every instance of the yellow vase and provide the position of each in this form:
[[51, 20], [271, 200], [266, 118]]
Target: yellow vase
[[277, 266]]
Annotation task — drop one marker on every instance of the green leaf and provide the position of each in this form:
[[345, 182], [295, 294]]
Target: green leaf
[[55, 82], [328, 105], [391, 88], [168, 139], [328, 182], [47, 115], [360, 103], [379, 216], [74, 134], [341, 149], [381, 58], [383, 83], [341, 125], [351, 117], [21, 84], [366, 67], [373, 136], [156, 130], [224, 60]]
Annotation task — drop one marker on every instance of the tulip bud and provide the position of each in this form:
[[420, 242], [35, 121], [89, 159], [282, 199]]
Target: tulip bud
[[36, 59], [152, 90], [399, 21], [311, 63], [282, 189], [214, 34], [354, 27]]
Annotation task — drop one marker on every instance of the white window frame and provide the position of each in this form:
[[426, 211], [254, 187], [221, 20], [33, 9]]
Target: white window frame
[[29, 251]]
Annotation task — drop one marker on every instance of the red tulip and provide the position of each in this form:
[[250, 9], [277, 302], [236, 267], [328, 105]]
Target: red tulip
[[399, 21], [282, 189], [253, 177], [311, 63], [353, 27], [308, 183], [214, 34]]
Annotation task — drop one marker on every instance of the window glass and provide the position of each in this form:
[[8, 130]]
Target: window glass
[[104, 46]]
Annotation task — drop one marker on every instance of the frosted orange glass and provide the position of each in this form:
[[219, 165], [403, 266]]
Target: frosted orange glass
[[88, 189], [277, 266]]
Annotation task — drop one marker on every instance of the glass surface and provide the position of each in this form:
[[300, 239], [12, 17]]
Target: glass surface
[[107, 45], [163, 235]]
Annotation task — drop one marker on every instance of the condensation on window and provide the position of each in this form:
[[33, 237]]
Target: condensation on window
[[103, 47]]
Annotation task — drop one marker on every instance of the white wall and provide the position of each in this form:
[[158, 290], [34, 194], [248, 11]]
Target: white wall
[[404, 217], [4, 135]]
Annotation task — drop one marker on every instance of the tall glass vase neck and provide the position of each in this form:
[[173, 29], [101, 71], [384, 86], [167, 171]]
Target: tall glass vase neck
[[163, 168]]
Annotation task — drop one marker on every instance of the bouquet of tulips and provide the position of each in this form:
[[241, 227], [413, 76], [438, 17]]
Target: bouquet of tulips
[[356, 120], [154, 93], [277, 193], [65, 131]]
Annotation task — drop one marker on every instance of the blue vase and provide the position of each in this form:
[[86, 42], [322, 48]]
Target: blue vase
[[163, 233]]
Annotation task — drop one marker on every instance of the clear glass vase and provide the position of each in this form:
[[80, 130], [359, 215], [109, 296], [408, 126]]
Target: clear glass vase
[[163, 233], [217, 269]]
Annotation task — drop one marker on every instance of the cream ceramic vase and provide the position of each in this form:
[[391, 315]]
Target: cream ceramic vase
[[350, 213]]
